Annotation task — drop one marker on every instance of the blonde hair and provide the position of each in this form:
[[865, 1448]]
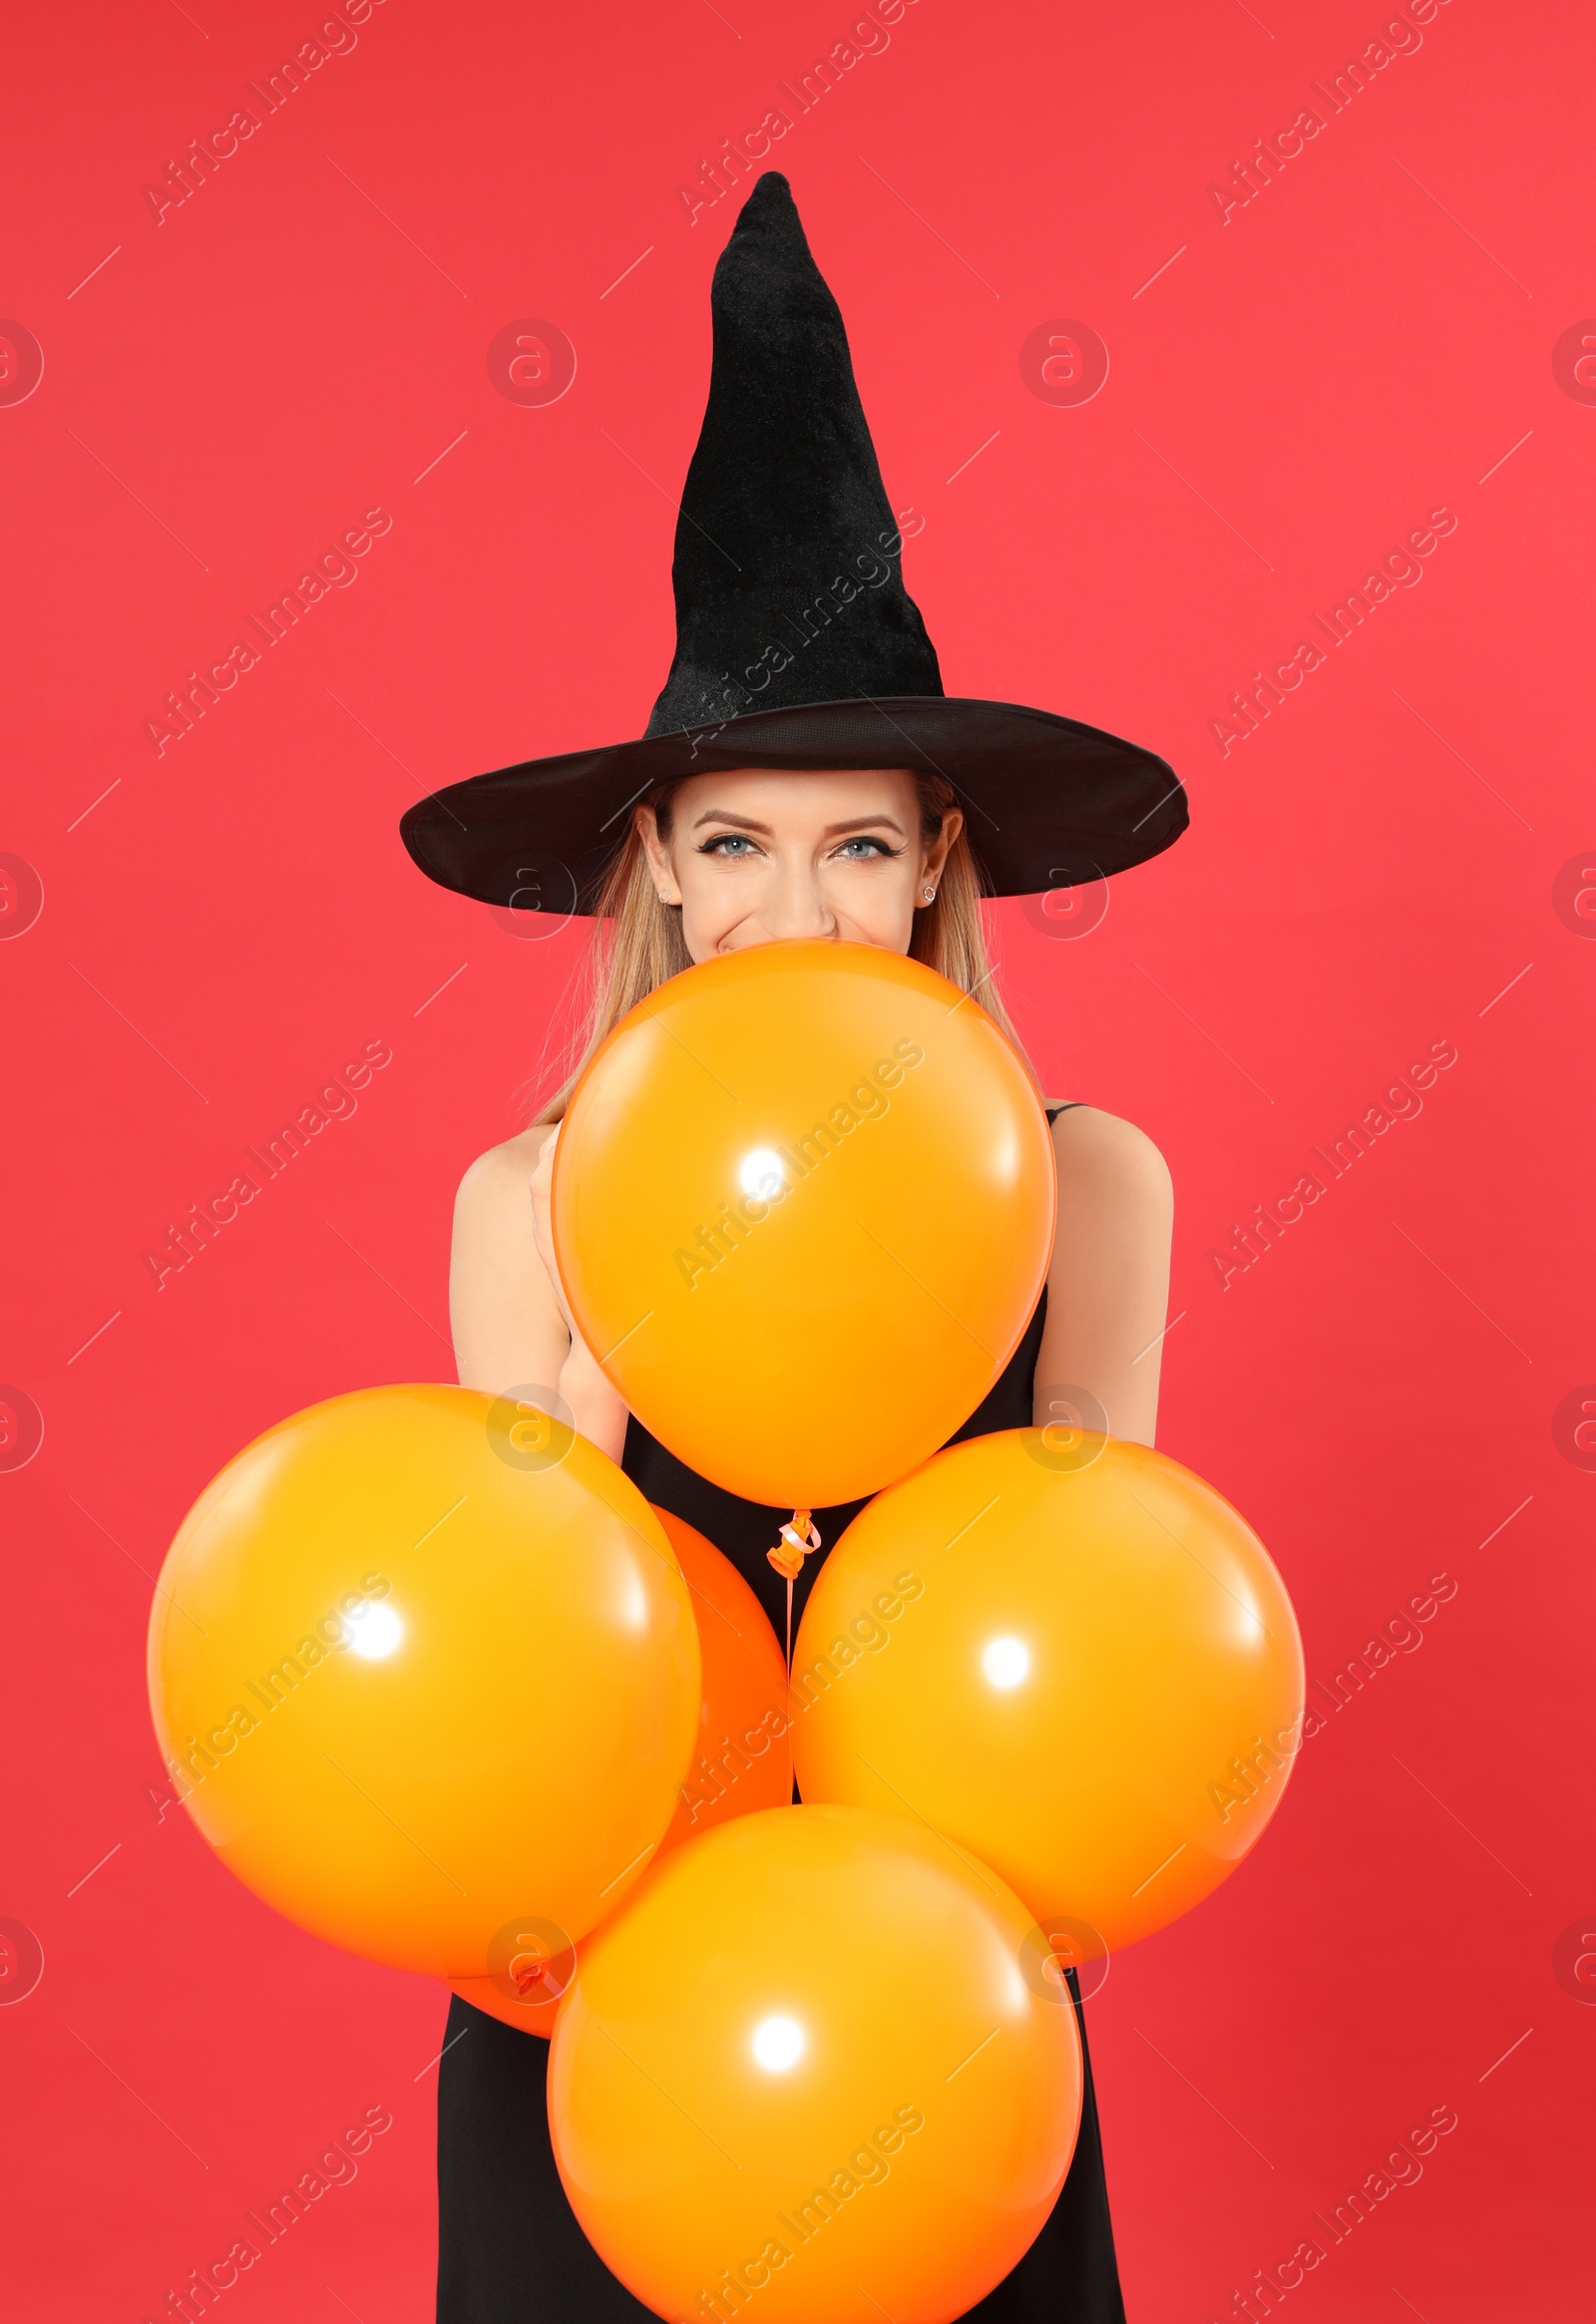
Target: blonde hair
[[636, 941]]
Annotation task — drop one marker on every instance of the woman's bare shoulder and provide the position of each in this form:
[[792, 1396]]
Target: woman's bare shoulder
[[501, 1175], [1089, 1143], [1108, 1278]]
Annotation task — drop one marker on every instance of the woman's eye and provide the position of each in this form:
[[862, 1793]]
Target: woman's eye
[[877, 847], [727, 840]]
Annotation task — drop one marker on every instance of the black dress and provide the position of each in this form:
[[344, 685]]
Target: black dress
[[510, 2249]]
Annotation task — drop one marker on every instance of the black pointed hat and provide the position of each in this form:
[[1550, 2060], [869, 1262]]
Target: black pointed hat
[[797, 645]]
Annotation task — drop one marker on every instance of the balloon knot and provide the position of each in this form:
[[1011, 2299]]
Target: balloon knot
[[798, 1538]]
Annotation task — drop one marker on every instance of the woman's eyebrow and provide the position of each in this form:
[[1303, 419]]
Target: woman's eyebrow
[[747, 823]]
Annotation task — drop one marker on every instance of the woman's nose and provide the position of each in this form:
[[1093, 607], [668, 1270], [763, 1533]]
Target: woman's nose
[[796, 908]]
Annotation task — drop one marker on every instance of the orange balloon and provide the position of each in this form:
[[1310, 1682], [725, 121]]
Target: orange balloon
[[803, 1204], [742, 1763], [1071, 1655], [422, 1663], [816, 2063]]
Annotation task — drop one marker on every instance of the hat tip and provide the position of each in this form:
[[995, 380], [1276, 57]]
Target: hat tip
[[770, 192]]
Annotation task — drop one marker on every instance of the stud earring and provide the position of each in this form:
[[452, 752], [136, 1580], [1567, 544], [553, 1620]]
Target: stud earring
[[930, 895]]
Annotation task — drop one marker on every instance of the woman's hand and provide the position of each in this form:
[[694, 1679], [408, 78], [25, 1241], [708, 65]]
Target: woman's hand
[[596, 1411], [543, 1233]]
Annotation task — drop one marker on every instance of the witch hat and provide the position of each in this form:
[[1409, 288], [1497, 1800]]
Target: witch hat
[[797, 645]]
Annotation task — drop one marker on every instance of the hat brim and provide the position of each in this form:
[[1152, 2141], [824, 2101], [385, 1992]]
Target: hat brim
[[1048, 803]]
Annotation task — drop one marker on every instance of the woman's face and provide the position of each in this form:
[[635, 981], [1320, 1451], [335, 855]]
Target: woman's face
[[757, 854]]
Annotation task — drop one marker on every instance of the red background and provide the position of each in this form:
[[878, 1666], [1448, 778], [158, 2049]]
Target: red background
[[224, 924]]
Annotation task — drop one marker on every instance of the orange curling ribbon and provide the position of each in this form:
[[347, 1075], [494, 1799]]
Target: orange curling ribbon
[[798, 1538]]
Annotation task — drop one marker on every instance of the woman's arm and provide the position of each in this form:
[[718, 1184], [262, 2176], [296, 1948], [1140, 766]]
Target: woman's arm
[[1108, 1283], [506, 1308]]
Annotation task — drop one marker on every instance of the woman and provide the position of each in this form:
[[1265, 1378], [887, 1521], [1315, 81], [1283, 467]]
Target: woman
[[748, 858], [750, 813]]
